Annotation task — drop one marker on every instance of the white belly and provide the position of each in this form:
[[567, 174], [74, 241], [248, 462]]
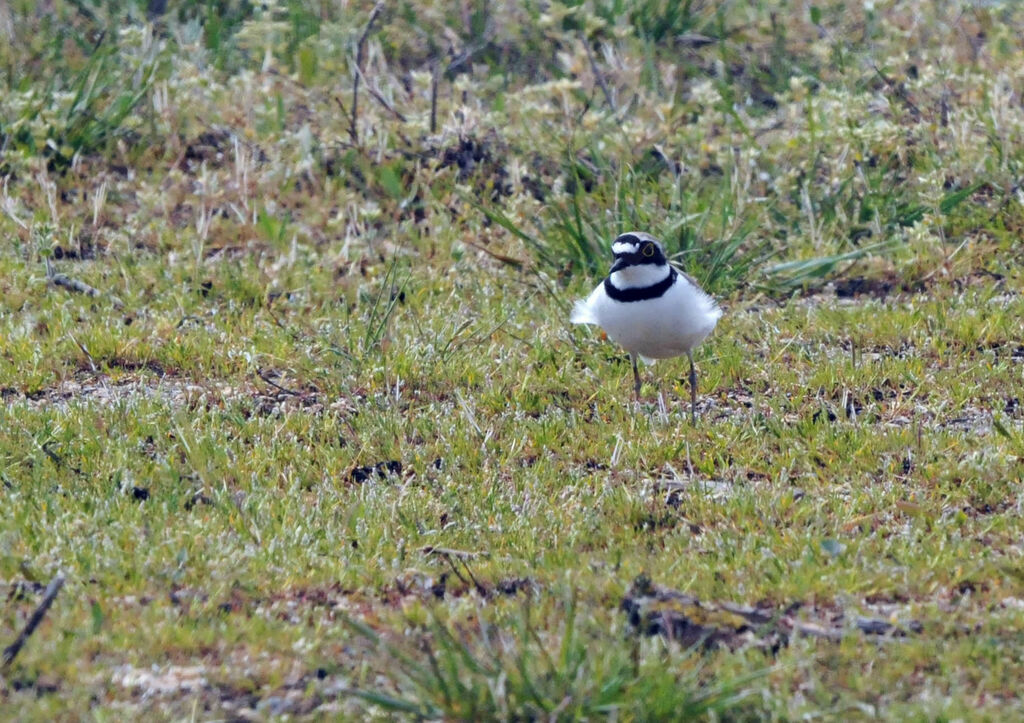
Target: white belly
[[667, 326]]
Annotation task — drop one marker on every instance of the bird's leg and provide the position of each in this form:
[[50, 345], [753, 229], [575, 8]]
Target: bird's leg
[[693, 390], [636, 376]]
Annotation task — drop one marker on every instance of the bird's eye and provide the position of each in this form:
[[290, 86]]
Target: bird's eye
[[648, 250]]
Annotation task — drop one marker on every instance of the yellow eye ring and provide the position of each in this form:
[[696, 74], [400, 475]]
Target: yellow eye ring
[[648, 250]]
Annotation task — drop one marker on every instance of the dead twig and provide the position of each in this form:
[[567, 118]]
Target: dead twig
[[466, 55], [695, 40], [343, 108], [1007, 197], [599, 76], [62, 280], [57, 460], [460, 554], [74, 285], [510, 260], [188, 318], [265, 376], [450, 556], [12, 650], [88, 356], [353, 130], [434, 79], [656, 610], [900, 90], [378, 96], [454, 64]]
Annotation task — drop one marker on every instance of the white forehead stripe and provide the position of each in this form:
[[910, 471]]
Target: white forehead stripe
[[623, 247]]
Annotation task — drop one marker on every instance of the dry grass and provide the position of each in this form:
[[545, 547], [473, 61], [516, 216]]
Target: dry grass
[[325, 444]]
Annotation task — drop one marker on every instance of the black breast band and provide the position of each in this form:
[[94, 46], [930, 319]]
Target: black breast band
[[640, 293]]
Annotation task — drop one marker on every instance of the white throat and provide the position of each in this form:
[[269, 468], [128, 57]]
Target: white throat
[[634, 277]]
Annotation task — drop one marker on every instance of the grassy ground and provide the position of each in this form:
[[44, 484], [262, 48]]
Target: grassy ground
[[324, 442]]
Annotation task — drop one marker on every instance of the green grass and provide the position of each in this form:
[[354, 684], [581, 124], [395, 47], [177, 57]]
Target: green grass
[[297, 302]]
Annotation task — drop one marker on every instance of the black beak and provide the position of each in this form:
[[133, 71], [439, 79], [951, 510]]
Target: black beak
[[619, 265]]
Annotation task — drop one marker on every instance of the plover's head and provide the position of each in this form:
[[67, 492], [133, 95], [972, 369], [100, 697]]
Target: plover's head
[[637, 248]]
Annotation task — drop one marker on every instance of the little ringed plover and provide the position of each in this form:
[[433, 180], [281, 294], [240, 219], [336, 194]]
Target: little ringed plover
[[648, 307]]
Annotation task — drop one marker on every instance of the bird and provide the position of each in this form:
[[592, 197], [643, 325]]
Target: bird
[[650, 308]]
